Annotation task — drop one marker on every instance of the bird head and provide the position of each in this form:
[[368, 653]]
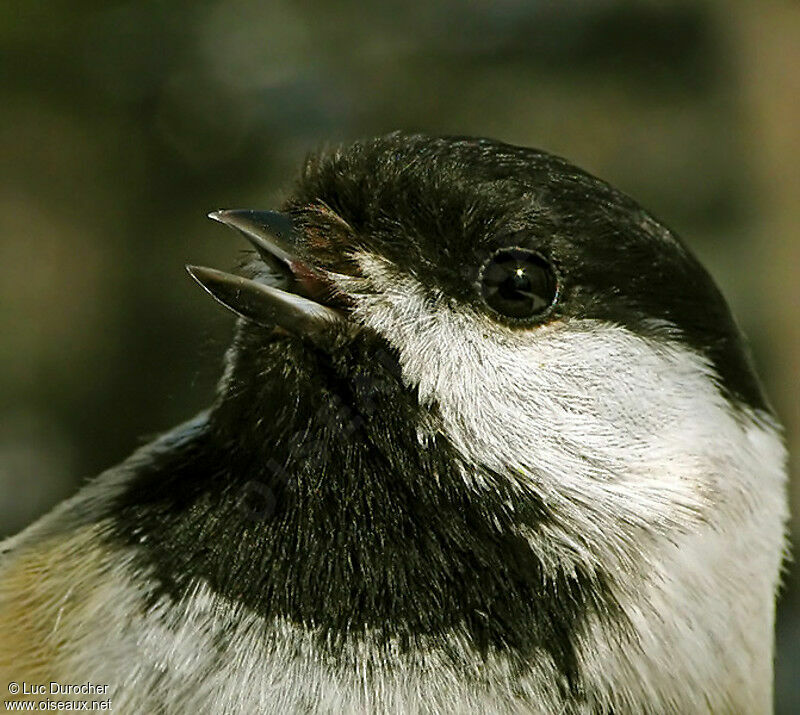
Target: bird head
[[547, 327]]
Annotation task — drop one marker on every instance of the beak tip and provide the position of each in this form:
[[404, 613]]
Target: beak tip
[[198, 273], [216, 215]]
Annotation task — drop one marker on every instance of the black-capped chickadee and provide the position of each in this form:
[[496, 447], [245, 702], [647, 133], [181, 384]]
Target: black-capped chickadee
[[487, 441]]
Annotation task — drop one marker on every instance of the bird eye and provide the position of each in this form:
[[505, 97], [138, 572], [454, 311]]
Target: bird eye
[[518, 283]]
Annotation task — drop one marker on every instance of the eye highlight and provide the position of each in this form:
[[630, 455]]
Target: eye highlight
[[518, 283]]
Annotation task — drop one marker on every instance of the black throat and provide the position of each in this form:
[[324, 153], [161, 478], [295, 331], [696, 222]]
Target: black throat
[[314, 492]]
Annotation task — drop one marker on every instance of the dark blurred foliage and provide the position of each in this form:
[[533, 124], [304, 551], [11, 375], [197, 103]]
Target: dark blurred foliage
[[121, 124]]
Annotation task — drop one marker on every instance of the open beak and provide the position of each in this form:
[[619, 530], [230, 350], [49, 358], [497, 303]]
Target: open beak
[[294, 309]]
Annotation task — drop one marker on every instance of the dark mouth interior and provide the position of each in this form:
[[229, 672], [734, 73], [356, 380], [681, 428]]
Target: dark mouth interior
[[305, 280]]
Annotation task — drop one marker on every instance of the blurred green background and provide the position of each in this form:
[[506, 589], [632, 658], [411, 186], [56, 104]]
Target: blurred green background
[[123, 123]]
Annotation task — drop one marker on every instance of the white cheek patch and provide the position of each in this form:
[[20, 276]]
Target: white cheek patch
[[606, 425]]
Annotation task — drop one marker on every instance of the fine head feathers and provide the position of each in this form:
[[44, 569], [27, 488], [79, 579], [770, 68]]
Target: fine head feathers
[[435, 210]]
